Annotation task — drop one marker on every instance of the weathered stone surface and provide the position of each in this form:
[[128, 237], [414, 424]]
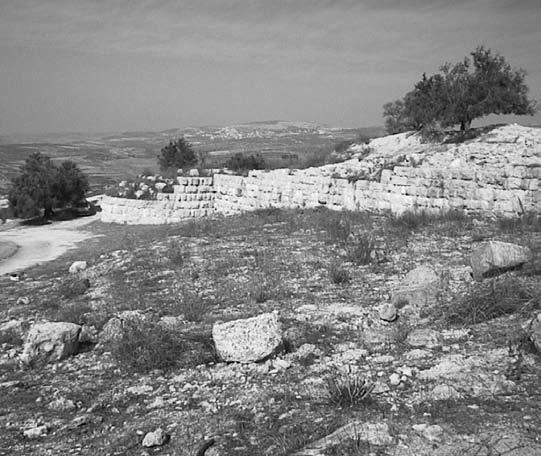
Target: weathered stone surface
[[113, 329], [424, 337], [77, 266], [373, 433], [156, 438], [495, 256], [419, 287], [51, 341], [36, 432], [248, 340]]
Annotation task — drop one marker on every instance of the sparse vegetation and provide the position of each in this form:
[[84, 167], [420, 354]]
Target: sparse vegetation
[[241, 163], [493, 298], [338, 274], [346, 389]]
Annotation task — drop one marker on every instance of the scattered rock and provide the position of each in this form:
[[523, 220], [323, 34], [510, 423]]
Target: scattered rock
[[114, 328], [248, 340], [433, 433], [444, 392], [373, 433], [50, 341], [88, 335], [23, 300], [14, 327], [494, 257], [61, 405], [419, 288], [388, 312], [157, 438], [394, 379], [77, 266], [424, 338], [36, 432]]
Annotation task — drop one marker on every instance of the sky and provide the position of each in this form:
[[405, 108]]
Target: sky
[[117, 65]]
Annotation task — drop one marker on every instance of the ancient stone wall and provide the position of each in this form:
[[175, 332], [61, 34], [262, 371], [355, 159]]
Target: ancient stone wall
[[193, 197], [497, 174], [400, 189]]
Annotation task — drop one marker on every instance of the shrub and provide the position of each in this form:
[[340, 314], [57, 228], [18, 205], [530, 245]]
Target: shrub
[[41, 185], [191, 305], [146, 345], [73, 313], [71, 287], [338, 274], [177, 154], [177, 254], [241, 162], [346, 389], [337, 228], [360, 250]]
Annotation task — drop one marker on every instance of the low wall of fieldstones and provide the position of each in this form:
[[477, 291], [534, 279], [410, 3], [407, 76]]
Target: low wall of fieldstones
[[192, 197], [497, 174]]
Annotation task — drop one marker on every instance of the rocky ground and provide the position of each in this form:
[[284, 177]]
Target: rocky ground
[[376, 339]]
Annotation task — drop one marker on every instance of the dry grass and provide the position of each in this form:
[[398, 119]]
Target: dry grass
[[346, 389], [494, 297]]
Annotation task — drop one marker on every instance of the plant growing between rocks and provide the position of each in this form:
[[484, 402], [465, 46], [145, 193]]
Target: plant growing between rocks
[[346, 389]]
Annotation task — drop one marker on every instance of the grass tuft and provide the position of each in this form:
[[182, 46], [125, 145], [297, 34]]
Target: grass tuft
[[338, 274], [346, 389], [493, 298]]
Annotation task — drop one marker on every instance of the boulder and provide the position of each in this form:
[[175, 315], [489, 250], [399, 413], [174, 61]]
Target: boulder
[[77, 266], [494, 257], [428, 338], [419, 288], [248, 340], [50, 341]]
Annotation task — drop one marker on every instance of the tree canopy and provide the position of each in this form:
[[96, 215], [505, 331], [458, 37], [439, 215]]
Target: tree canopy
[[478, 86], [43, 186], [177, 154]]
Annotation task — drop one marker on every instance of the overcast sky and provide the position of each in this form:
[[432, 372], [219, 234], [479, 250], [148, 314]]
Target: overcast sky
[[109, 65]]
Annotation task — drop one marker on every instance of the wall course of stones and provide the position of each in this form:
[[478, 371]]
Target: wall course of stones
[[497, 175]]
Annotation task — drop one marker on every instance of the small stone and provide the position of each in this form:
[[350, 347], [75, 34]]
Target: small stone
[[424, 338], [157, 438], [36, 433], [77, 266], [61, 404], [394, 379], [388, 313], [23, 301], [444, 392], [281, 364], [433, 433]]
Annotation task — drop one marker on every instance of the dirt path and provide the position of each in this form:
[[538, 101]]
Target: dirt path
[[38, 244]]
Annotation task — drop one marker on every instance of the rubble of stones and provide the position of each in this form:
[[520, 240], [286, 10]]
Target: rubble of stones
[[433, 367]]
